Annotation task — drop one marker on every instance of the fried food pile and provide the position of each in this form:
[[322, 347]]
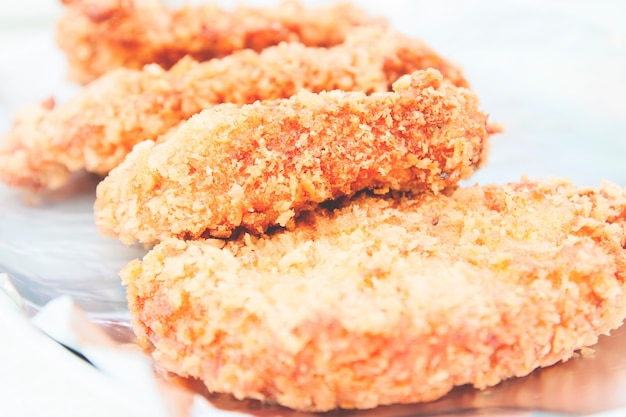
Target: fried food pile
[[389, 299], [296, 171], [95, 129], [262, 164]]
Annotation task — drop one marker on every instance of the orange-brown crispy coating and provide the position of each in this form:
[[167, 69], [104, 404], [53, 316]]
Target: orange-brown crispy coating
[[257, 166], [101, 35], [96, 129], [390, 300]]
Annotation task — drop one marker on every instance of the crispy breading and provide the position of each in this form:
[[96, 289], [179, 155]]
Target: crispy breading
[[95, 129], [257, 166], [98, 36], [390, 300]]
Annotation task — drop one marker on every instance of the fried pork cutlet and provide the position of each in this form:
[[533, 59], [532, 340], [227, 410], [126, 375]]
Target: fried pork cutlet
[[100, 35], [390, 300], [257, 166], [97, 128]]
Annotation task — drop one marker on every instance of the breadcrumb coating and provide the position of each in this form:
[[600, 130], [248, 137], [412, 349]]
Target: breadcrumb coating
[[98, 36], [95, 129], [257, 166], [390, 300]]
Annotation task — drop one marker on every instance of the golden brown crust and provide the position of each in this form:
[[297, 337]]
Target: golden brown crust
[[390, 300], [101, 35], [259, 165], [96, 128]]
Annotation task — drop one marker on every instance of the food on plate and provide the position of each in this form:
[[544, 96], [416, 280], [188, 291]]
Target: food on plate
[[100, 35], [230, 168], [389, 300], [96, 128]]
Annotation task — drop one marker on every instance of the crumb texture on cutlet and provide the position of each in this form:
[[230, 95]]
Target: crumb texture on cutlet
[[99, 36], [97, 127], [390, 300], [257, 166]]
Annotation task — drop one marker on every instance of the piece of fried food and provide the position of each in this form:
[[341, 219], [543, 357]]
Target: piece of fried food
[[257, 166], [390, 300], [97, 128], [101, 35]]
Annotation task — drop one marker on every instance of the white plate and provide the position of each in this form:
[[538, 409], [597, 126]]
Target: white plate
[[552, 73]]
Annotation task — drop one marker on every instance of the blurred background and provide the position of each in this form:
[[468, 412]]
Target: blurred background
[[553, 73]]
